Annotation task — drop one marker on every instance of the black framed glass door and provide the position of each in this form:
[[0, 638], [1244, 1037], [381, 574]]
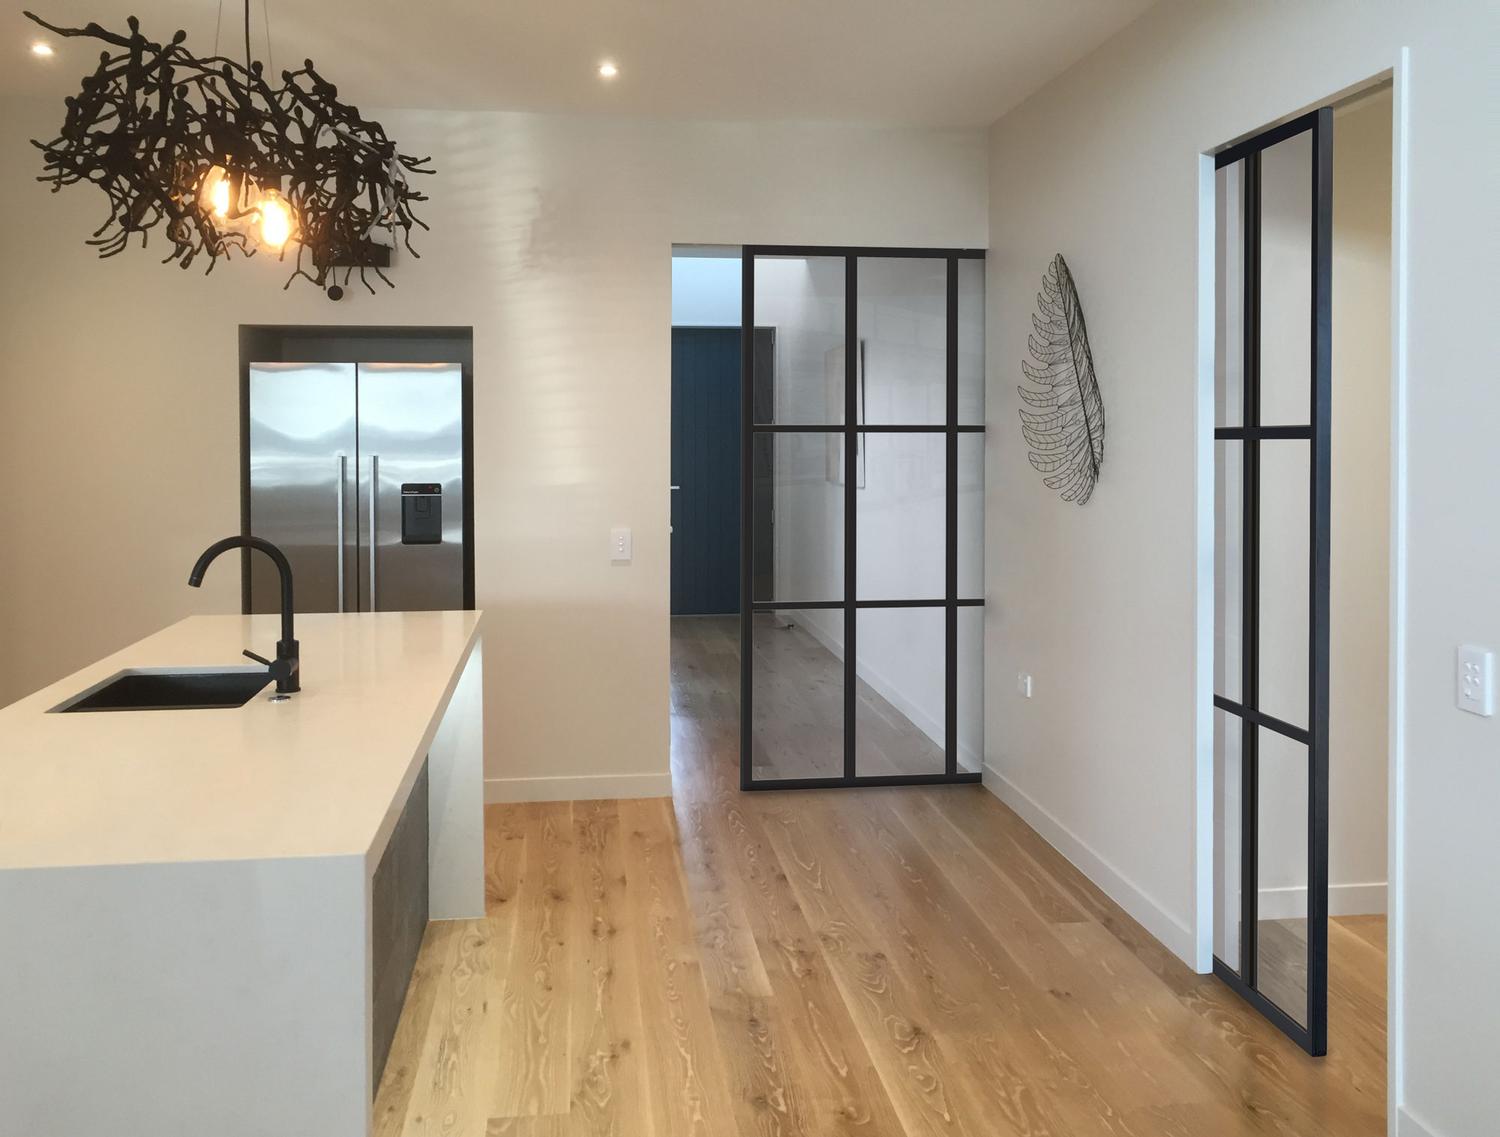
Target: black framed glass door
[[1272, 439], [862, 517]]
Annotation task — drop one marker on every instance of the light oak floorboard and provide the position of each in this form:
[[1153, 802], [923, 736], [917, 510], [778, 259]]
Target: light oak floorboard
[[394, 1103], [604, 998], [871, 963], [534, 1044]]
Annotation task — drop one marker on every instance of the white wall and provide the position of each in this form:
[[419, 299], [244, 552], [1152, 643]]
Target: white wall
[[552, 237], [1100, 603]]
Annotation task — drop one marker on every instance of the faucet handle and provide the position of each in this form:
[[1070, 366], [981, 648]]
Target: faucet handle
[[258, 658]]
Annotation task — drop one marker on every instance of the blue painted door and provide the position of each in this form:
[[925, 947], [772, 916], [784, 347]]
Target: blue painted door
[[706, 471]]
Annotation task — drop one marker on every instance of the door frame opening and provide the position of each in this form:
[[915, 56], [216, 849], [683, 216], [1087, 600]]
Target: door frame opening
[[1204, 703]]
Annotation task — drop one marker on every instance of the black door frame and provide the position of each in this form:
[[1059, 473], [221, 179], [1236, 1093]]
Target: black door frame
[[1317, 432], [852, 428]]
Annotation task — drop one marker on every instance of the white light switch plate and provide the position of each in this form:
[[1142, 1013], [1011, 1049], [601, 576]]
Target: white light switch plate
[[621, 545], [1476, 680]]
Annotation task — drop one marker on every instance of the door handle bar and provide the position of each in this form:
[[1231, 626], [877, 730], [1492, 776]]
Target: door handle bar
[[339, 504], [374, 539]]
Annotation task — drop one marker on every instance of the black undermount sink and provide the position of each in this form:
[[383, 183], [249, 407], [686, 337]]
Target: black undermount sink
[[172, 689]]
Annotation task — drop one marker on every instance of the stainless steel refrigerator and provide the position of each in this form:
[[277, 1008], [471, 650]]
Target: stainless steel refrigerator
[[356, 470]]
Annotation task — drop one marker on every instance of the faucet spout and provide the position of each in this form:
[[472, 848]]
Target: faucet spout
[[287, 665]]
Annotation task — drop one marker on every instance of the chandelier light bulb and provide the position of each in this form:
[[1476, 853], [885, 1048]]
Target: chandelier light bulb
[[214, 194], [275, 220]]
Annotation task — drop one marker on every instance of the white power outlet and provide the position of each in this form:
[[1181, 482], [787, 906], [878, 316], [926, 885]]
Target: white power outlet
[[1476, 680], [1023, 684], [621, 545]]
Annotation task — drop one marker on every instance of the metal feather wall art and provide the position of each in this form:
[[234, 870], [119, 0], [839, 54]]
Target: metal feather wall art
[[1063, 419]]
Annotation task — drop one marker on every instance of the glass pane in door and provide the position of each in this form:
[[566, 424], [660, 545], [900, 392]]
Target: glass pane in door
[[1229, 567], [1285, 589], [797, 527], [1229, 294], [899, 705], [1286, 257], [971, 342], [1282, 873], [902, 516], [797, 694], [903, 337], [970, 679], [1228, 774], [801, 299], [970, 517]]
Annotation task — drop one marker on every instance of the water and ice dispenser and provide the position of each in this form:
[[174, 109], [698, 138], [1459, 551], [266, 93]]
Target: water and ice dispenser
[[421, 513]]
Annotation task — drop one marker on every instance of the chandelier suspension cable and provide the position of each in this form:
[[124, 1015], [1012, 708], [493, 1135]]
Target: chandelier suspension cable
[[265, 11]]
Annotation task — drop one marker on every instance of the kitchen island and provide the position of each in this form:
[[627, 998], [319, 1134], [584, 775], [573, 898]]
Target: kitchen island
[[203, 912]]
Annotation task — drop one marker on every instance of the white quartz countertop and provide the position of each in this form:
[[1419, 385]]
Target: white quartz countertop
[[314, 776]]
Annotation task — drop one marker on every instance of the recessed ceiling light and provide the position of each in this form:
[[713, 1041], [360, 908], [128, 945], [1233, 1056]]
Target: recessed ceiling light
[[608, 70], [40, 47]]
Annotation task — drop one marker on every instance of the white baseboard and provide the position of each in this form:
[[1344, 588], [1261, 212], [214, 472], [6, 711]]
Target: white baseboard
[[1343, 900], [1407, 1125], [586, 787], [1175, 935]]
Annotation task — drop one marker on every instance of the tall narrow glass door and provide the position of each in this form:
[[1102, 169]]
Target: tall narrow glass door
[[862, 517], [1274, 200]]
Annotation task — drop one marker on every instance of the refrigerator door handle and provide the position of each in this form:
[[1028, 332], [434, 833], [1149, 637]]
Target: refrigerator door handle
[[374, 539], [339, 504]]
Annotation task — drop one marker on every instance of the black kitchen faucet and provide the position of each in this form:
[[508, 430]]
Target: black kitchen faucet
[[286, 666]]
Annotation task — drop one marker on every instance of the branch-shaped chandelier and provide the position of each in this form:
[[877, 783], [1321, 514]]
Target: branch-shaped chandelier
[[212, 153]]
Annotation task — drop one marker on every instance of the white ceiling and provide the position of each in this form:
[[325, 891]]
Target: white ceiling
[[927, 62]]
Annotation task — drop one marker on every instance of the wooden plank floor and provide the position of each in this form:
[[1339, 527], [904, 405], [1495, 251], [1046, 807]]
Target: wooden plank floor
[[888, 963]]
